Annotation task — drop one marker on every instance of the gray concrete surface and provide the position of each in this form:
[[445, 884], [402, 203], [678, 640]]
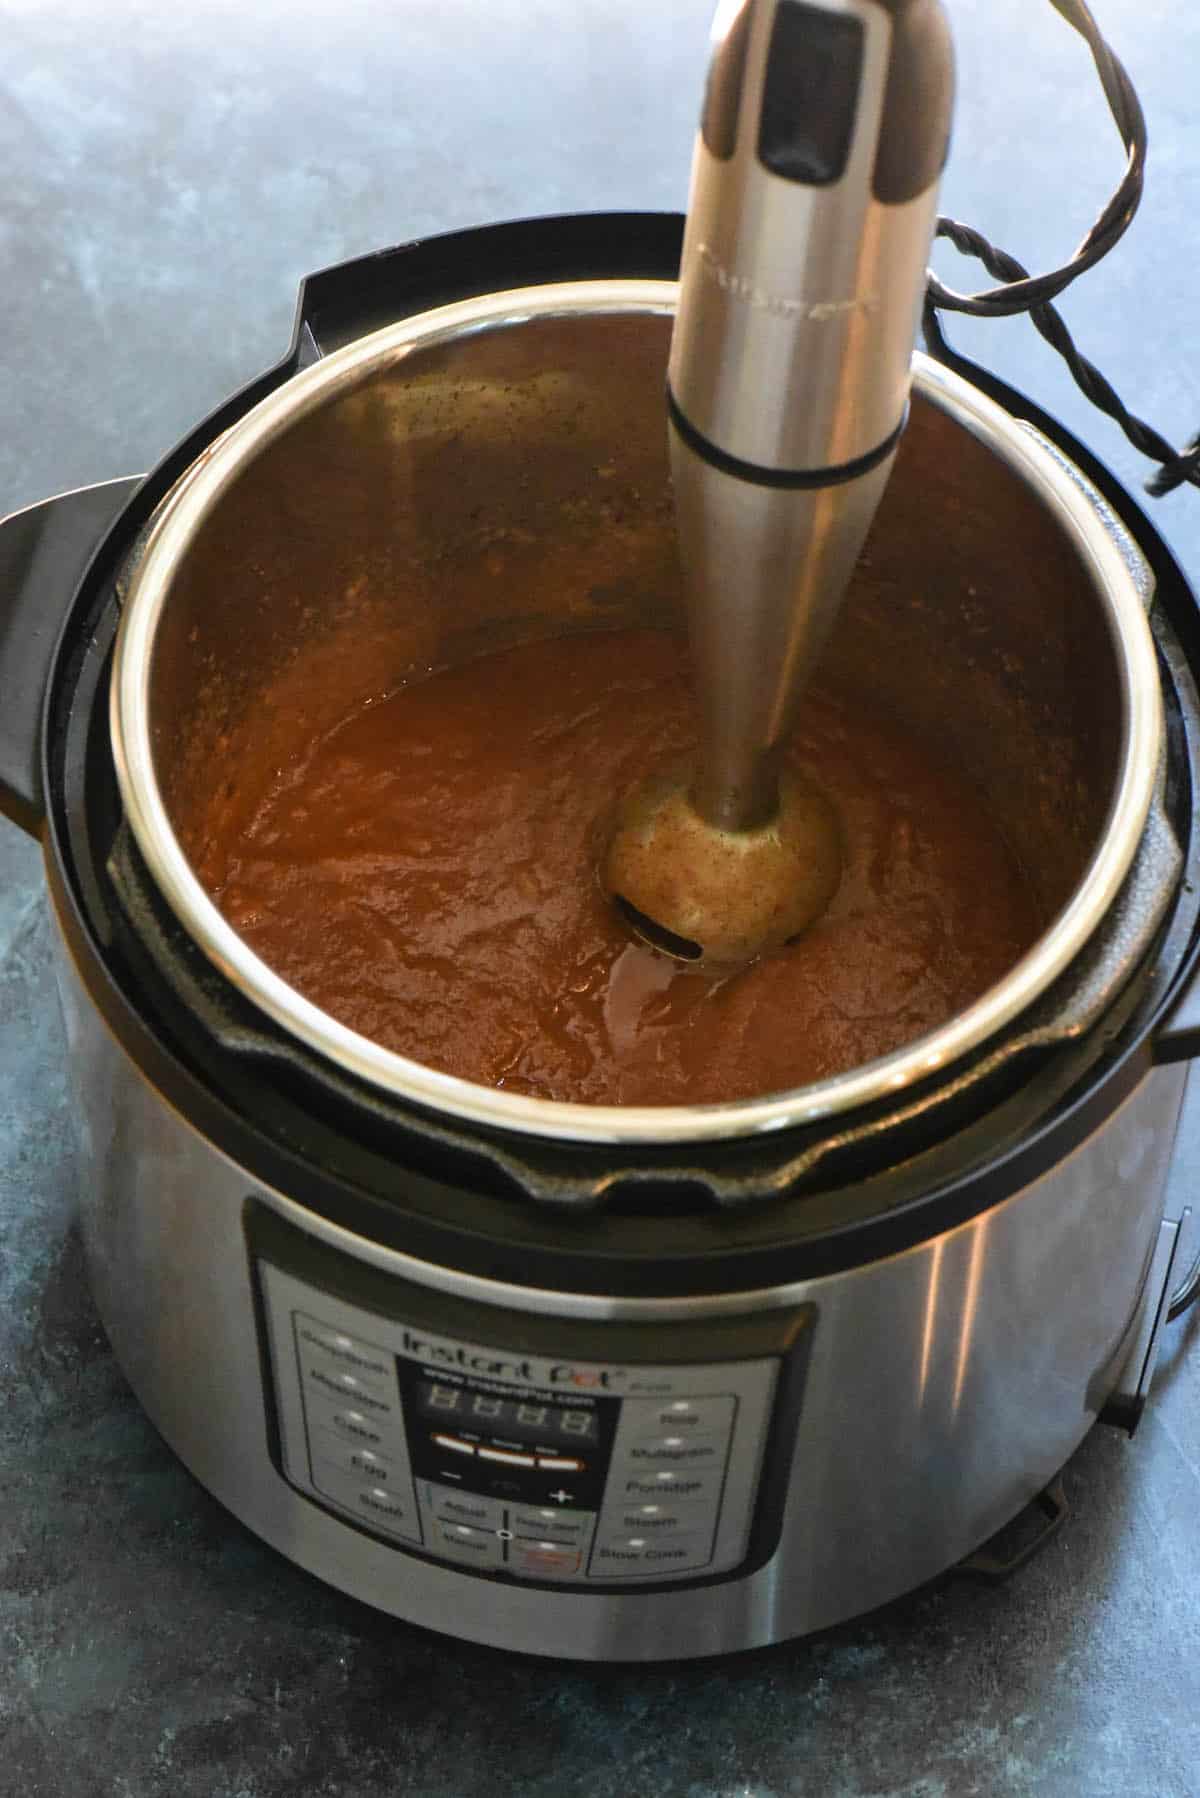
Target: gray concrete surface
[[168, 174]]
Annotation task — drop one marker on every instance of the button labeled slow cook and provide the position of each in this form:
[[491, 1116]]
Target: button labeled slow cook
[[619, 1554]]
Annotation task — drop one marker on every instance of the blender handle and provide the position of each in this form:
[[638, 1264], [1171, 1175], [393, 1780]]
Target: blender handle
[[812, 208], [44, 551]]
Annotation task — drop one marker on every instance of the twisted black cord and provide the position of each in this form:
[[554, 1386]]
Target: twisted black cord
[[1022, 292]]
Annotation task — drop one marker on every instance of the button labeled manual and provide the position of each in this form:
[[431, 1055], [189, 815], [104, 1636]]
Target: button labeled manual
[[471, 1547]]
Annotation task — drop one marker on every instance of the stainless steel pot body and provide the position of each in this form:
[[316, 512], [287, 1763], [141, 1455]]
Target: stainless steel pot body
[[944, 1385], [919, 1394]]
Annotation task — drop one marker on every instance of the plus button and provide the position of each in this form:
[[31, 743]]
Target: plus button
[[560, 1497]]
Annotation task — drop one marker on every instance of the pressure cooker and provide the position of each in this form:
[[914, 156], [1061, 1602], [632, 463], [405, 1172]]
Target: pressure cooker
[[593, 1382]]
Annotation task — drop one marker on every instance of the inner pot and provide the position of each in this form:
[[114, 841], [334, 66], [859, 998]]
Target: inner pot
[[496, 471]]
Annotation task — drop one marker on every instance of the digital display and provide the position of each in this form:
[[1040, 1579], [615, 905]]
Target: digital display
[[524, 1420]]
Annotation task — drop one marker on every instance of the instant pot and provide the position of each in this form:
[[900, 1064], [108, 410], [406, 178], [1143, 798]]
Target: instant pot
[[592, 1382]]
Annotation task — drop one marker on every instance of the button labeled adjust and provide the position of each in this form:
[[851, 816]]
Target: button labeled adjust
[[451, 1506]]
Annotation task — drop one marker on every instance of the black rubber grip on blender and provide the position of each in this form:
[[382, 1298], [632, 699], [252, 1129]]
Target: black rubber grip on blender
[[810, 93], [796, 478]]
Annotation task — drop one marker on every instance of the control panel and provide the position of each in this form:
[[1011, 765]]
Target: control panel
[[527, 1466]]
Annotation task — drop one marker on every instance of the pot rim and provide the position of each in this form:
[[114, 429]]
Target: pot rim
[[202, 487]]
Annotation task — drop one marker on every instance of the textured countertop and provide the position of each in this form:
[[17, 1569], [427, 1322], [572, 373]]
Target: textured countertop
[[169, 174]]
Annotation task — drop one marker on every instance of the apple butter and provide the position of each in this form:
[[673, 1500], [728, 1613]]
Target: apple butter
[[426, 871]]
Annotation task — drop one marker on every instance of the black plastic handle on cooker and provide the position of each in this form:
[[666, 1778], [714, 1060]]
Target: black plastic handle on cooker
[[44, 553]]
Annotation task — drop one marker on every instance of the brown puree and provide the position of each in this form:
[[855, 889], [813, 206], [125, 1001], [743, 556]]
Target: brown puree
[[426, 872]]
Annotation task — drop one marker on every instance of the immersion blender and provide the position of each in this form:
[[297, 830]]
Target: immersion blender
[[813, 204]]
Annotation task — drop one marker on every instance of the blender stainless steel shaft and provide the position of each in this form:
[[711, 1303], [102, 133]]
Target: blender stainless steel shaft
[[813, 204], [812, 210]]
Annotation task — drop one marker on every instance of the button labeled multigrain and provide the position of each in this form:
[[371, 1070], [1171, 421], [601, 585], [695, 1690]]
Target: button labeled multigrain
[[688, 1451]]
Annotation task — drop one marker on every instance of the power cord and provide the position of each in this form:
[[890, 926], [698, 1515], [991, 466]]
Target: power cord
[[1022, 292]]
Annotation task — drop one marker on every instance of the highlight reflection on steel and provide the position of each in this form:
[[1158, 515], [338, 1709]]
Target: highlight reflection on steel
[[966, 1328]]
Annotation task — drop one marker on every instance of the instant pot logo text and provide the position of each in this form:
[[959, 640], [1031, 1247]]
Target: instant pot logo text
[[778, 304], [472, 1358]]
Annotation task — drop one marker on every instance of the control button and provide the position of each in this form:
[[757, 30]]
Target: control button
[[460, 1448], [810, 93], [386, 1508], [687, 1416], [656, 1519], [451, 1506], [356, 1356], [614, 1555], [688, 1451], [356, 1426], [394, 1508], [339, 1384], [506, 1456], [543, 1560], [562, 1497], [559, 1464], [460, 1542], [550, 1520], [629, 1484], [370, 1466]]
